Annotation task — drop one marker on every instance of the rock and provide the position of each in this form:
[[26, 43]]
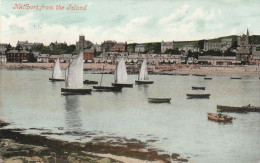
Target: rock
[[175, 156]]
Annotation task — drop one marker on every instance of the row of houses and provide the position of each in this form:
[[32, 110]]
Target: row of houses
[[19, 56]]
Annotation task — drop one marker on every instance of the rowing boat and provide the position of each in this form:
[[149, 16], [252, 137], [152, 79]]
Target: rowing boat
[[248, 108], [159, 100], [198, 88], [220, 117], [198, 95]]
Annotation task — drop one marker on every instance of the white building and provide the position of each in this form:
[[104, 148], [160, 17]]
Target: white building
[[3, 59], [43, 58], [166, 45], [139, 48], [3, 48]]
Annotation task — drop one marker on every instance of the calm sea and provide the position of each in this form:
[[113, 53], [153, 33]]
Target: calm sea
[[28, 99]]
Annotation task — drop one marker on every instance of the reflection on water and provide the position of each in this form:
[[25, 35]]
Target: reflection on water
[[72, 118]]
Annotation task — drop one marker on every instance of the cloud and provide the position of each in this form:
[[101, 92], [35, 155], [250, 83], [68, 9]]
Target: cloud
[[201, 14], [18, 21], [179, 11], [133, 24], [26, 28]]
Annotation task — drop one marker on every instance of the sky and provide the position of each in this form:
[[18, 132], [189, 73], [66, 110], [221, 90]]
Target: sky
[[128, 20]]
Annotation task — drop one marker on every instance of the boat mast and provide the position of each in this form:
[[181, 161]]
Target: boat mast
[[102, 75]]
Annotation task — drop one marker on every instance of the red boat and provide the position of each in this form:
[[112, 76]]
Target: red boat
[[220, 117]]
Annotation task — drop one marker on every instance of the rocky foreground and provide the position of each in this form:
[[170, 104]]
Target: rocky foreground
[[16, 146]]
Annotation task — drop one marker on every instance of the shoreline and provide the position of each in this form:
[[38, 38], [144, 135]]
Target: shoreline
[[17, 145], [157, 70]]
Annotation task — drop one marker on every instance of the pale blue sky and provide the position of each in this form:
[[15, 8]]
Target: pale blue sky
[[129, 20]]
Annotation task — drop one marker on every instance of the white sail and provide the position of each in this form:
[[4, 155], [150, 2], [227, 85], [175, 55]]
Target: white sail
[[57, 74], [74, 73], [120, 73], [143, 72]]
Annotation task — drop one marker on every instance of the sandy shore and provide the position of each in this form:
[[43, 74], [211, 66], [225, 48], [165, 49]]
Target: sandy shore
[[161, 69]]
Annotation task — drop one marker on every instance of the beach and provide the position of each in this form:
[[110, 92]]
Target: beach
[[179, 69], [16, 146]]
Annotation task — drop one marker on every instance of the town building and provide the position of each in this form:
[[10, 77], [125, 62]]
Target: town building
[[65, 58], [25, 45], [43, 58], [3, 58], [224, 45], [166, 45], [243, 48], [212, 46], [119, 47], [4, 48], [187, 48], [52, 58], [107, 46], [255, 58], [139, 48], [17, 56], [97, 47], [83, 44], [217, 60], [89, 55], [54, 44]]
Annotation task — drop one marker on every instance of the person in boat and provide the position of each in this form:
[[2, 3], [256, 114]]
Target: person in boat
[[219, 115], [248, 105]]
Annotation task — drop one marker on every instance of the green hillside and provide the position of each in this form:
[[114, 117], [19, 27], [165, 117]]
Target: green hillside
[[254, 39]]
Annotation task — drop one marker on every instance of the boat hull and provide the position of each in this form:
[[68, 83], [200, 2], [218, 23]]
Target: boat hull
[[198, 96], [143, 82], [122, 85], [89, 82], [235, 78], [76, 91], [198, 75], [52, 79], [222, 108], [198, 88], [108, 88], [159, 100], [207, 78], [220, 117]]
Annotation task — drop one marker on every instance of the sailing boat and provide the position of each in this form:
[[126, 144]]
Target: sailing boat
[[106, 88], [143, 77], [121, 75], [57, 74], [74, 77]]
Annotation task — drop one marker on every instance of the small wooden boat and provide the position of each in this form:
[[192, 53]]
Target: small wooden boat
[[82, 91], [198, 75], [52, 79], [248, 108], [143, 82], [90, 82], [235, 78], [220, 117], [143, 77], [108, 88], [198, 88], [128, 85], [159, 100], [198, 95], [207, 78]]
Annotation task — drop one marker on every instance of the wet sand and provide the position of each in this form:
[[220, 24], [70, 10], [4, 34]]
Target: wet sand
[[17, 145]]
